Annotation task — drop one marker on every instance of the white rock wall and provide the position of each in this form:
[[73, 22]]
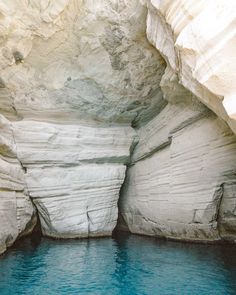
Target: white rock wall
[[77, 201], [197, 40], [74, 174], [75, 75], [17, 215], [73, 60], [181, 183]]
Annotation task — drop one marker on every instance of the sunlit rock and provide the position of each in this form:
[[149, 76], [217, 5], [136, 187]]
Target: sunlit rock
[[181, 181], [87, 95], [17, 214], [74, 175], [197, 40]]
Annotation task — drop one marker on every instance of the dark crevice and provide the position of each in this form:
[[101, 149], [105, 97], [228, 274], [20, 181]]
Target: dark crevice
[[89, 221], [121, 224], [35, 235], [218, 199], [38, 228]]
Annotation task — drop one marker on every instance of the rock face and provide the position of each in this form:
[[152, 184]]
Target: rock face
[[181, 182], [197, 40], [73, 60], [17, 214], [74, 75], [74, 175], [81, 85]]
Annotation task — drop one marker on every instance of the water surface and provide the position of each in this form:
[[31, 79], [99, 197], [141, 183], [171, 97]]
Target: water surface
[[124, 265]]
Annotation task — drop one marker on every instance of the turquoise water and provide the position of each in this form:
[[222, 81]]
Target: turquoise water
[[126, 265]]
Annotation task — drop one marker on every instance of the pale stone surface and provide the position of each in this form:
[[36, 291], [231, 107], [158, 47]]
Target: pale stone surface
[[75, 75], [17, 215], [181, 183], [197, 39], [48, 144], [78, 60], [77, 201], [74, 175]]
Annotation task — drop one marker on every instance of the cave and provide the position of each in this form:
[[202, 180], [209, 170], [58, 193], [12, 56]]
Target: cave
[[117, 118]]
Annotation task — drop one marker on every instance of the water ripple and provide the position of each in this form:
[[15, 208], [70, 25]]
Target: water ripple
[[123, 265]]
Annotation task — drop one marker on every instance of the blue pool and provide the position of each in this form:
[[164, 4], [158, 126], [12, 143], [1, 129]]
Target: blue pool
[[124, 264]]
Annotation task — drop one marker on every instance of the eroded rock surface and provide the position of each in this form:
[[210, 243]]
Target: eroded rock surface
[[181, 180], [74, 175], [75, 76], [79, 60], [17, 214], [197, 40]]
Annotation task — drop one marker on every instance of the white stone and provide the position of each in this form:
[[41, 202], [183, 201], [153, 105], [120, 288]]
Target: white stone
[[77, 60], [75, 75], [197, 40], [47, 144], [79, 201], [74, 175], [17, 215], [183, 170]]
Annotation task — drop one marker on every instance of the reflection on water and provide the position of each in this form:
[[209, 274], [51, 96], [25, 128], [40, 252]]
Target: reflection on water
[[124, 265]]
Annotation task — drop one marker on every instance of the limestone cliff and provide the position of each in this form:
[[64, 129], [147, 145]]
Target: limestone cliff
[[197, 40], [74, 76], [181, 180], [83, 95], [17, 214]]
